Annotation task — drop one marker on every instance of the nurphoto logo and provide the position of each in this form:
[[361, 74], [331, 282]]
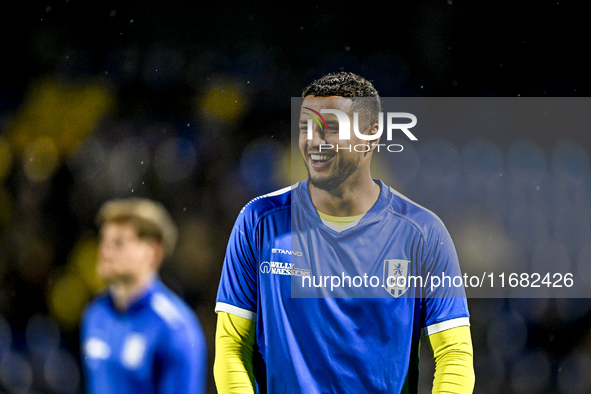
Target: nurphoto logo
[[345, 128]]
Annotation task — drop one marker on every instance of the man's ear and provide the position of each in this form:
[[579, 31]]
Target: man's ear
[[158, 253], [374, 130]]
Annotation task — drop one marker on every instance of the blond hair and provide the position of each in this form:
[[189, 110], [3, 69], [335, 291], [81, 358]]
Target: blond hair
[[150, 218]]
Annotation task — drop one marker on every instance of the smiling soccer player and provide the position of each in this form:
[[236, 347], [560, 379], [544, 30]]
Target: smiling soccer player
[[339, 220]]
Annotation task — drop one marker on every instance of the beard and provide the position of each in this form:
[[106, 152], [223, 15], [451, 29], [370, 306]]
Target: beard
[[335, 179]]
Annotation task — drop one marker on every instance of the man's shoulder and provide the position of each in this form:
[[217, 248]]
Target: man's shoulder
[[100, 305], [171, 309], [422, 217], [268, 203]]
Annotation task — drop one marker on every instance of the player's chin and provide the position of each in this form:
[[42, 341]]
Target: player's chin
[[322, 181], [106, 272], [320, 176]]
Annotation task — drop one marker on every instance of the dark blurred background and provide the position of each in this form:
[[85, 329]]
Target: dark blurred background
[[189, 104]]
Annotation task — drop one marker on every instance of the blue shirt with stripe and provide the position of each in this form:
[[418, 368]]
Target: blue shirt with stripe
[[315, 339]]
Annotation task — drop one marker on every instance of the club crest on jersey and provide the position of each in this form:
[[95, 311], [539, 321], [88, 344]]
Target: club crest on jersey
[[133, 351], [393, 270]]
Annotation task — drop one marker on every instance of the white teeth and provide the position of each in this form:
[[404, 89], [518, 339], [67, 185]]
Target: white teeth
[[320, 157]]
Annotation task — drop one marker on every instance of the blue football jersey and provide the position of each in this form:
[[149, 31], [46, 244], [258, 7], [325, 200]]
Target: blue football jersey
[[156, 346], [281, 270]]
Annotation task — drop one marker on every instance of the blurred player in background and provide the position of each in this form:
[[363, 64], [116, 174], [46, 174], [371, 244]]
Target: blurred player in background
[[338, 220], [139, 336]]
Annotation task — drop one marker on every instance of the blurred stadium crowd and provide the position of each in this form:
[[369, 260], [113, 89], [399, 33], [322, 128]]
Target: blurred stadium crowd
[[205, 128]]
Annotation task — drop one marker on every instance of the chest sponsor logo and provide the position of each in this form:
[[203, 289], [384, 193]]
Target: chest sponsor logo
[[134, 350], [97, 349], [394, 271], [281, 268]]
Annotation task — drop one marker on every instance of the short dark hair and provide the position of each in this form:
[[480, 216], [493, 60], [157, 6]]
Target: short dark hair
[[347, 84]]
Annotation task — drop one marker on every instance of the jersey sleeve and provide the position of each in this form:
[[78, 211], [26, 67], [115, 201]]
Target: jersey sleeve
[[237, 292], [444, 296], [88, 381], [93, 351]]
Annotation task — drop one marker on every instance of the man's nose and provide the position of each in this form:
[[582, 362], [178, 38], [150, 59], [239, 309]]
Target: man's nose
[[105, 250], [317, 137]]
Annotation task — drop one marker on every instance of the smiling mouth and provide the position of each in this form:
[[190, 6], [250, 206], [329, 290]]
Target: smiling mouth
[[320, 159]]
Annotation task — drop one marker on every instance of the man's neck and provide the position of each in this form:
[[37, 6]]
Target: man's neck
[[125, 292], [353, 197]]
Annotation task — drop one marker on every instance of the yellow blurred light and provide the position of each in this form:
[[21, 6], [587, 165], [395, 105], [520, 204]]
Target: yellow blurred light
[[40, 159], [5, 158], [67, 298], [223, 102], [83, 259], [67, 113], [482, 244], [195, 256], [284, 172], [380, 170], [5, 207], [297, 167]]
